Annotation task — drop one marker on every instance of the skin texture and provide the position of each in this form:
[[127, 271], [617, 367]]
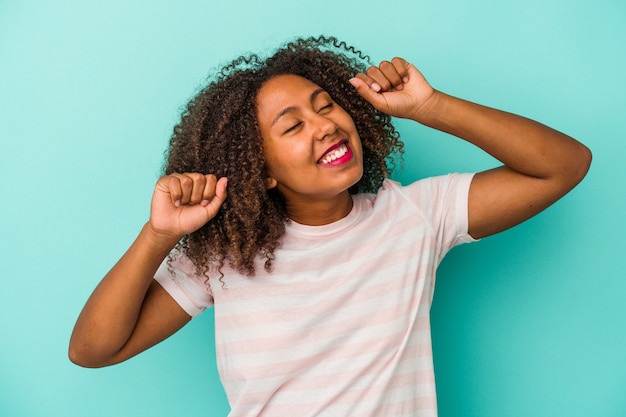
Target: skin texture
[[128, 312], [540, 164], [219, 134], [299, 122]]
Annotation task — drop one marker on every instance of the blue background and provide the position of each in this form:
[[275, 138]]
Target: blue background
[[527, 323]]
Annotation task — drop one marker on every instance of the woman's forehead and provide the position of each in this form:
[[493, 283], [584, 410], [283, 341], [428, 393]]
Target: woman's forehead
[[286, 84], [283, 91]]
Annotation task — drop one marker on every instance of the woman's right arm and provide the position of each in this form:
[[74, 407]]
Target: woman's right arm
[[129, 312]]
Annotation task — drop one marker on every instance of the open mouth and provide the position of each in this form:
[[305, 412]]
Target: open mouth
[[335, 154]]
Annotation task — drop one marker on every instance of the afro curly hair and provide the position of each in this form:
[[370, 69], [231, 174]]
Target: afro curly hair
[[218, 134]]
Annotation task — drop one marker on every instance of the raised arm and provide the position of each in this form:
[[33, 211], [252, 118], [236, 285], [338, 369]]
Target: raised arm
[[540, 164], [129, 312]]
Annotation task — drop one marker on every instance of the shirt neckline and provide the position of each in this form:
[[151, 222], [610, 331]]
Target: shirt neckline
[[293, 227]]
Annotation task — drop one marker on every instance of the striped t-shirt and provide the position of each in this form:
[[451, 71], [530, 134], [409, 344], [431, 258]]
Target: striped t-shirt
[[341, 325]]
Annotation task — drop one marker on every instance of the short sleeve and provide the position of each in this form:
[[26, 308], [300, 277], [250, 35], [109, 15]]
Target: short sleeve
[[190, 291], [443, 200]]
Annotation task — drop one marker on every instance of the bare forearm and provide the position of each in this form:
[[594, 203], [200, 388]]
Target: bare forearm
[[540, 164], [523, 145], [129, 312], [110, 315]]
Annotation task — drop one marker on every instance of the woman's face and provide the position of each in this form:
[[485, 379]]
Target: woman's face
[[311, 146]]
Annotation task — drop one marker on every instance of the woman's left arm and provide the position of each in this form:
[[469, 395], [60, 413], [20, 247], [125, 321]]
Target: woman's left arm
[[540, 164]]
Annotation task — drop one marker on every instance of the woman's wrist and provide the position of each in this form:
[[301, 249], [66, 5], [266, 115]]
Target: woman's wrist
[[158, 240], [429, 113]]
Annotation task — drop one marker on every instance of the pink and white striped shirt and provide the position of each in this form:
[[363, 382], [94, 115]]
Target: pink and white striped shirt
[[341, 326]]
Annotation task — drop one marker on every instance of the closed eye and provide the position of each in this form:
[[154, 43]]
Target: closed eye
[[292, 128], [326, 107]]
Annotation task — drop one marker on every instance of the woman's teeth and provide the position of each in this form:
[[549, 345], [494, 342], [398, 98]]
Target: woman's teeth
[[337, 153]]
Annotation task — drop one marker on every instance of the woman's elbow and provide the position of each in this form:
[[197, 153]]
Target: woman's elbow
[[77, 358], [581, 164], [81, 355]]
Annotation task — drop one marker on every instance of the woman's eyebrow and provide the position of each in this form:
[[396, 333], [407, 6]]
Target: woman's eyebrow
[[290, 109]]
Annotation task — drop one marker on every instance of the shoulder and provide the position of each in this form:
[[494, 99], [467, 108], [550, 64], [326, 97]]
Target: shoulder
[[435, 199], [441, 187], [179, 277], [425, 188]]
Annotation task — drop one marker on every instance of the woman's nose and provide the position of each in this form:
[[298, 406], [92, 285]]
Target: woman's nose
[[324, 127]]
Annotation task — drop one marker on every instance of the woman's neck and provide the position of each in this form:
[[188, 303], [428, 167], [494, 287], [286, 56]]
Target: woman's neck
[[320, 211]]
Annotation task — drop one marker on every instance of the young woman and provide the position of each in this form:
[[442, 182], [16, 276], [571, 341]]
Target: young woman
[[275, 210]]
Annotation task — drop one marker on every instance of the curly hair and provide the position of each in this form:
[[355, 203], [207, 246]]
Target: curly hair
[[218, 134]]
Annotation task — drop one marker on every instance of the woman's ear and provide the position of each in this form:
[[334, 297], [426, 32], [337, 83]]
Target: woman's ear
[[270, 183]]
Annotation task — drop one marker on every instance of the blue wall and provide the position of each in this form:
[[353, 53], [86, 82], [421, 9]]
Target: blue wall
[[527, 323]]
